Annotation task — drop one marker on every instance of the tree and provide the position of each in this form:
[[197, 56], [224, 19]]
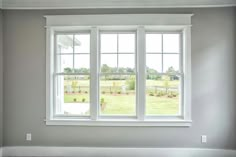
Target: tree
[[171, 71], [105, 68], [81, 70], [130, 70], [152, 74], [67, 70]]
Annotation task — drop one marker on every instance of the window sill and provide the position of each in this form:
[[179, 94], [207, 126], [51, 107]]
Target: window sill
[[148, 123]]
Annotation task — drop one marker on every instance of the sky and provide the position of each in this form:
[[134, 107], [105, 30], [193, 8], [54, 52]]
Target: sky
[[119, 50]]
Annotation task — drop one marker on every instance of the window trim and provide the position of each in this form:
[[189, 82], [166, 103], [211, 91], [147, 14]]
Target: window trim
[[142, 23]]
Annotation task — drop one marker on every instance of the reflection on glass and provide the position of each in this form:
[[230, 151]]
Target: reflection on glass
[[74, 92], [162, 95], [171, 43], [117, 95], [153, 43]]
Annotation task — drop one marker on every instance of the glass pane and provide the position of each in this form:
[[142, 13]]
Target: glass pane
[[154, 63], [171, 63], [127, 43], [110, 61], [82, 63], [64, 43], [117, 95], [108, 43], [153, 43], [65, 63], [126, 62], [171, 43], [162, 95], [72, 94], [82, 43]]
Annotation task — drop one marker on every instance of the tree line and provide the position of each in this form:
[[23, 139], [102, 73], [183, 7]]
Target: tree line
[[152, 74]]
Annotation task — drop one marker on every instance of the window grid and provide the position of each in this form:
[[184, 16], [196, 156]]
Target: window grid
[[117, 73], [73, 73], [163, 73], [117, 67], [117, 49]]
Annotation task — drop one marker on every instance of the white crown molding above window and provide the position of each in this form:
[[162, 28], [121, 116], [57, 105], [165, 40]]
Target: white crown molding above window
[[78, 4], [120, 20], [115, 152]]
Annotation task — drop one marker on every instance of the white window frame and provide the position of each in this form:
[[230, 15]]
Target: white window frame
[[142, 23]]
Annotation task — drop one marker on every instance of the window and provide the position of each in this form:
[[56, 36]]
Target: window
[[117, 74], [164, 73], [133, 73], [72, 75]]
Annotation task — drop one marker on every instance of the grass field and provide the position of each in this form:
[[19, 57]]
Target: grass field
[[125, 104], [117, 102]]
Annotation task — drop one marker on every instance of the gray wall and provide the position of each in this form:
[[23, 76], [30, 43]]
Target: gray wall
[[213, 88], [1, 78]]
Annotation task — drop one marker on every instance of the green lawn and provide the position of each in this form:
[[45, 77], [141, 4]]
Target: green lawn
[[117, 102], [125, 104]]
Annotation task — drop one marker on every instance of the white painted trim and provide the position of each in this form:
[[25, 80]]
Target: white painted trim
[[119, 122], [141, 72], [187, 64], [78, 4], [114, 152], [94, 81], [119, 20]]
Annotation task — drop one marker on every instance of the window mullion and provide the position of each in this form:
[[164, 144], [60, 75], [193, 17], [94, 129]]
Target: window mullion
[[186, 79], [73, 53], [94, 77], [141, 73], [162, 55]]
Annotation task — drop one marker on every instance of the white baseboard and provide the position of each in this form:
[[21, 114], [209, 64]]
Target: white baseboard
[[114, 152]]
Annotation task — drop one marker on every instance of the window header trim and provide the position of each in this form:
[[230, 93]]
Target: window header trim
[[119, 20]]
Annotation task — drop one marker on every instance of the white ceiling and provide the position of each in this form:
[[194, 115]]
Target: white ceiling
[[75, 4]]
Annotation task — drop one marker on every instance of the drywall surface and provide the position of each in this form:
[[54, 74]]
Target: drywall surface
[[213, 86], [1, 78]]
